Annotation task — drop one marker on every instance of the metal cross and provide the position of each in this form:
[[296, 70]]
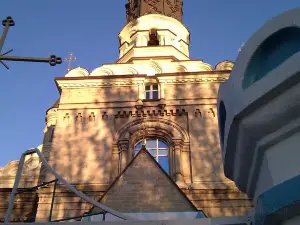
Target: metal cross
[[9, 22], [70, 58]]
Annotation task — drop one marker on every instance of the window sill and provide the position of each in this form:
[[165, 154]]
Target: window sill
[[151, 100]]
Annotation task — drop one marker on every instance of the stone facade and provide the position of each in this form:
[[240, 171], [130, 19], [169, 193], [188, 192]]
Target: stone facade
[[92, 130], [144, 186]]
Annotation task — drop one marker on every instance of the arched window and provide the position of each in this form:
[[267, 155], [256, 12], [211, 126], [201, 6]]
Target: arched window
[[159, 149]]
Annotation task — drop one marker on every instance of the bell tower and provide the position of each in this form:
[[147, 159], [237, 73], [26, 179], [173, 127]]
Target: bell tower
[[154, 30], [138, 8]]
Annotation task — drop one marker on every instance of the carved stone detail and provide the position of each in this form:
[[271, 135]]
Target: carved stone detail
[[123, 154], [212, 112], [147, 113], [92, 116], [198, 113]]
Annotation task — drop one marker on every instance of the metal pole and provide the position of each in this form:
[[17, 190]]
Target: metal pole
[[14, 190], [25, 59], [8, 22], [2, 40], [52, 60], [52, 202]]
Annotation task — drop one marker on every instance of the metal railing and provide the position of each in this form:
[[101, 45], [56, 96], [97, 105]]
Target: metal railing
[[58, 178]]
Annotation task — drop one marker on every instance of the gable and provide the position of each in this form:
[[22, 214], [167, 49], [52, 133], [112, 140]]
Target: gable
[[143, 186]]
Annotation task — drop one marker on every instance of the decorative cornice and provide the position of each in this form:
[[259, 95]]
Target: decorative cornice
[[127, 57], [209, 73], [80, 117], [146, 113], [194, 80], [76, 82], [208, 112], [99, 84]]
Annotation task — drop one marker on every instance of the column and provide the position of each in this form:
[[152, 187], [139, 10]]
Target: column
[[186, 163], [162, 90], [115, 163], [123, 154], [141, 91], [178, 167]]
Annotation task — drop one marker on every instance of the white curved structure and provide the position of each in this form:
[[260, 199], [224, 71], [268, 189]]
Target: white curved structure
[[259, 108]]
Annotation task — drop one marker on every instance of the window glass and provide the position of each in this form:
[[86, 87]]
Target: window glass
[[162, 152], [147, 95], [152, 152], [164, 163], [151, 143], [151, 92], [162, 144], [138, 146], [158, 149], [155, 95]]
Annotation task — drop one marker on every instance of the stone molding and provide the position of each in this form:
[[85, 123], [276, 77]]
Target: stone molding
[[149, 113], [176, 137], [177, 132], [158, 66], [206, 79], [99, 84]]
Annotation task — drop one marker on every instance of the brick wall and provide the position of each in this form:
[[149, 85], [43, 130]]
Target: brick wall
[[24, 209], [145, 187]]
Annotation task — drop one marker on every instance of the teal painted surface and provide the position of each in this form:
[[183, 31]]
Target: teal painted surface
[[278, 197], [271, 53]]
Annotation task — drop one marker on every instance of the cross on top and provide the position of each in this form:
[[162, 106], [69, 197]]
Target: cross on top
[[70, 58]]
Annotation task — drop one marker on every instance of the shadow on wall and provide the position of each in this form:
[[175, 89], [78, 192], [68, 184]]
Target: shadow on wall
[[206, 159], [82, 150]]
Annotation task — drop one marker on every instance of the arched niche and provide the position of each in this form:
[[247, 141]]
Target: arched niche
[[129, 70], [173, 134], [154, 68], [181, 69], [102, 71]]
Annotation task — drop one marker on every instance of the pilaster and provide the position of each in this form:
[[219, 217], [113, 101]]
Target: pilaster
[[123, 154], [114, 163], [178, 166]]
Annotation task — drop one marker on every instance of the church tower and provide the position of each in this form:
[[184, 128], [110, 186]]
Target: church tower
[[154, 31], [138, 8], [155, 96]]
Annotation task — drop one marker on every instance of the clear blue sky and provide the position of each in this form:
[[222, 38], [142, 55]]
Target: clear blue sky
[[90, 30]]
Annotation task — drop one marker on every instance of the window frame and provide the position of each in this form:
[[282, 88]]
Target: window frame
[[157, 149], [151, 91]]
